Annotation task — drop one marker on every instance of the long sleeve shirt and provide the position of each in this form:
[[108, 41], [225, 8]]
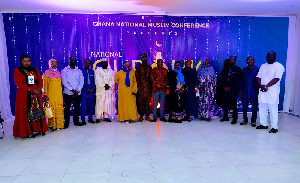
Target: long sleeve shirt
[[159, 79], [89, 83], [72, 79]]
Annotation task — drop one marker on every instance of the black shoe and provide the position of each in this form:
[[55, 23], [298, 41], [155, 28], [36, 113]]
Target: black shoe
[[83, 123], [163, 119], [224, 119], [66, 125], [51, 129], [233, 122], [189, 120], [170, 120], [41, 133], [78, 124], [107, 120], [154, 120], [273, 130], [91, 121], [243, 123], [253, 124], [97, 120], [178, 121], [262, 127]]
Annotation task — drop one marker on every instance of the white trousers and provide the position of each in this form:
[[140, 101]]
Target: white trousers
[[263, 114], [106, 115]]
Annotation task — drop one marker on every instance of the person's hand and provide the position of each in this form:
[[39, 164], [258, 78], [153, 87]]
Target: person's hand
[[134, 93], [196, 89], [201, 90], [107, 87], [89, 90], [215, 89], [36, 91], [180, 90], [74, 91], [240, 94], [263, 88], [46, 98], [228, 89]]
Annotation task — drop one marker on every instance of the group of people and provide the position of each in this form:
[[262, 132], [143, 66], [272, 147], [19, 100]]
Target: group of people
[[93, 92]]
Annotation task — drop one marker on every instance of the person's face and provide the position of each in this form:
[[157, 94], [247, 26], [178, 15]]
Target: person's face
[[26, 62], [160, 63], [250, 61], [53, 64], [73, 61], [104, 64], [232, 61], [127, 66], [144, 58], [188, 65], [87, 64], [177, 66], [207, 62], [270, 58]]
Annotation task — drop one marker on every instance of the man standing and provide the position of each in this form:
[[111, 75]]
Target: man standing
[[88, 93], [72, 79], [143, 79], [268, 79], [230, 79], [249, 90], [190, 89], [105, 92], [159, 79]]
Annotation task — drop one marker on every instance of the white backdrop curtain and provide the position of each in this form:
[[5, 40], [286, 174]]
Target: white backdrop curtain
[[292, 87], [4, 76]]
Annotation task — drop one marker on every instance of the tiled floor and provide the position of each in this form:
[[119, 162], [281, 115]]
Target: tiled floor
[[155, 152]]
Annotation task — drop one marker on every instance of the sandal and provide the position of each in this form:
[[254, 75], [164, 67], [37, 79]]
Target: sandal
[[243, 123], [253, 124]]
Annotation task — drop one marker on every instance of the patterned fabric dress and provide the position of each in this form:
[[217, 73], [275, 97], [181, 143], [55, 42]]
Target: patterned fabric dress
[[53, 88], [207, 100]]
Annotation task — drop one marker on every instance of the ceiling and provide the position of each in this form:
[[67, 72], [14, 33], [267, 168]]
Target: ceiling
[[171, 7]]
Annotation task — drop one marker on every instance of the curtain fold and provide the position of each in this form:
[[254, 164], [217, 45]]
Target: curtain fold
[[292, 87], [5, 107]]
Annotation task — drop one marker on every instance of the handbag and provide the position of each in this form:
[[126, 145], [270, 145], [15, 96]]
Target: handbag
[[48, 110], [37, 113]]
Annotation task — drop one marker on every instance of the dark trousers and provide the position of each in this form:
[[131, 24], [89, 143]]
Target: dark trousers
[[144, 105], [87, 107], [76, 103], [230, 102], [254, 104]]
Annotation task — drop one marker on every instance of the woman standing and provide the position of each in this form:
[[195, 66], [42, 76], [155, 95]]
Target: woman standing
[[127, 110], [53, 94], [29, 83], [207, 85], [176, 82]]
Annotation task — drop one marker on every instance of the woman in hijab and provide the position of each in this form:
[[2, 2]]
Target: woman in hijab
[[176, 82], [127, 89], [53, 94], [207, 85], [29, 84]]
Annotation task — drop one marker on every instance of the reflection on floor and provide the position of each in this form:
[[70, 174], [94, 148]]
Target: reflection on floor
[[155, 152]]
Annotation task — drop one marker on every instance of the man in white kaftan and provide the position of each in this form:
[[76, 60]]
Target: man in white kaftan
[[105, 92], [268, 79]]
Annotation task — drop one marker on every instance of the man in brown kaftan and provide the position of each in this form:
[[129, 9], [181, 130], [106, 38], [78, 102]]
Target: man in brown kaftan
[[143, 79]]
